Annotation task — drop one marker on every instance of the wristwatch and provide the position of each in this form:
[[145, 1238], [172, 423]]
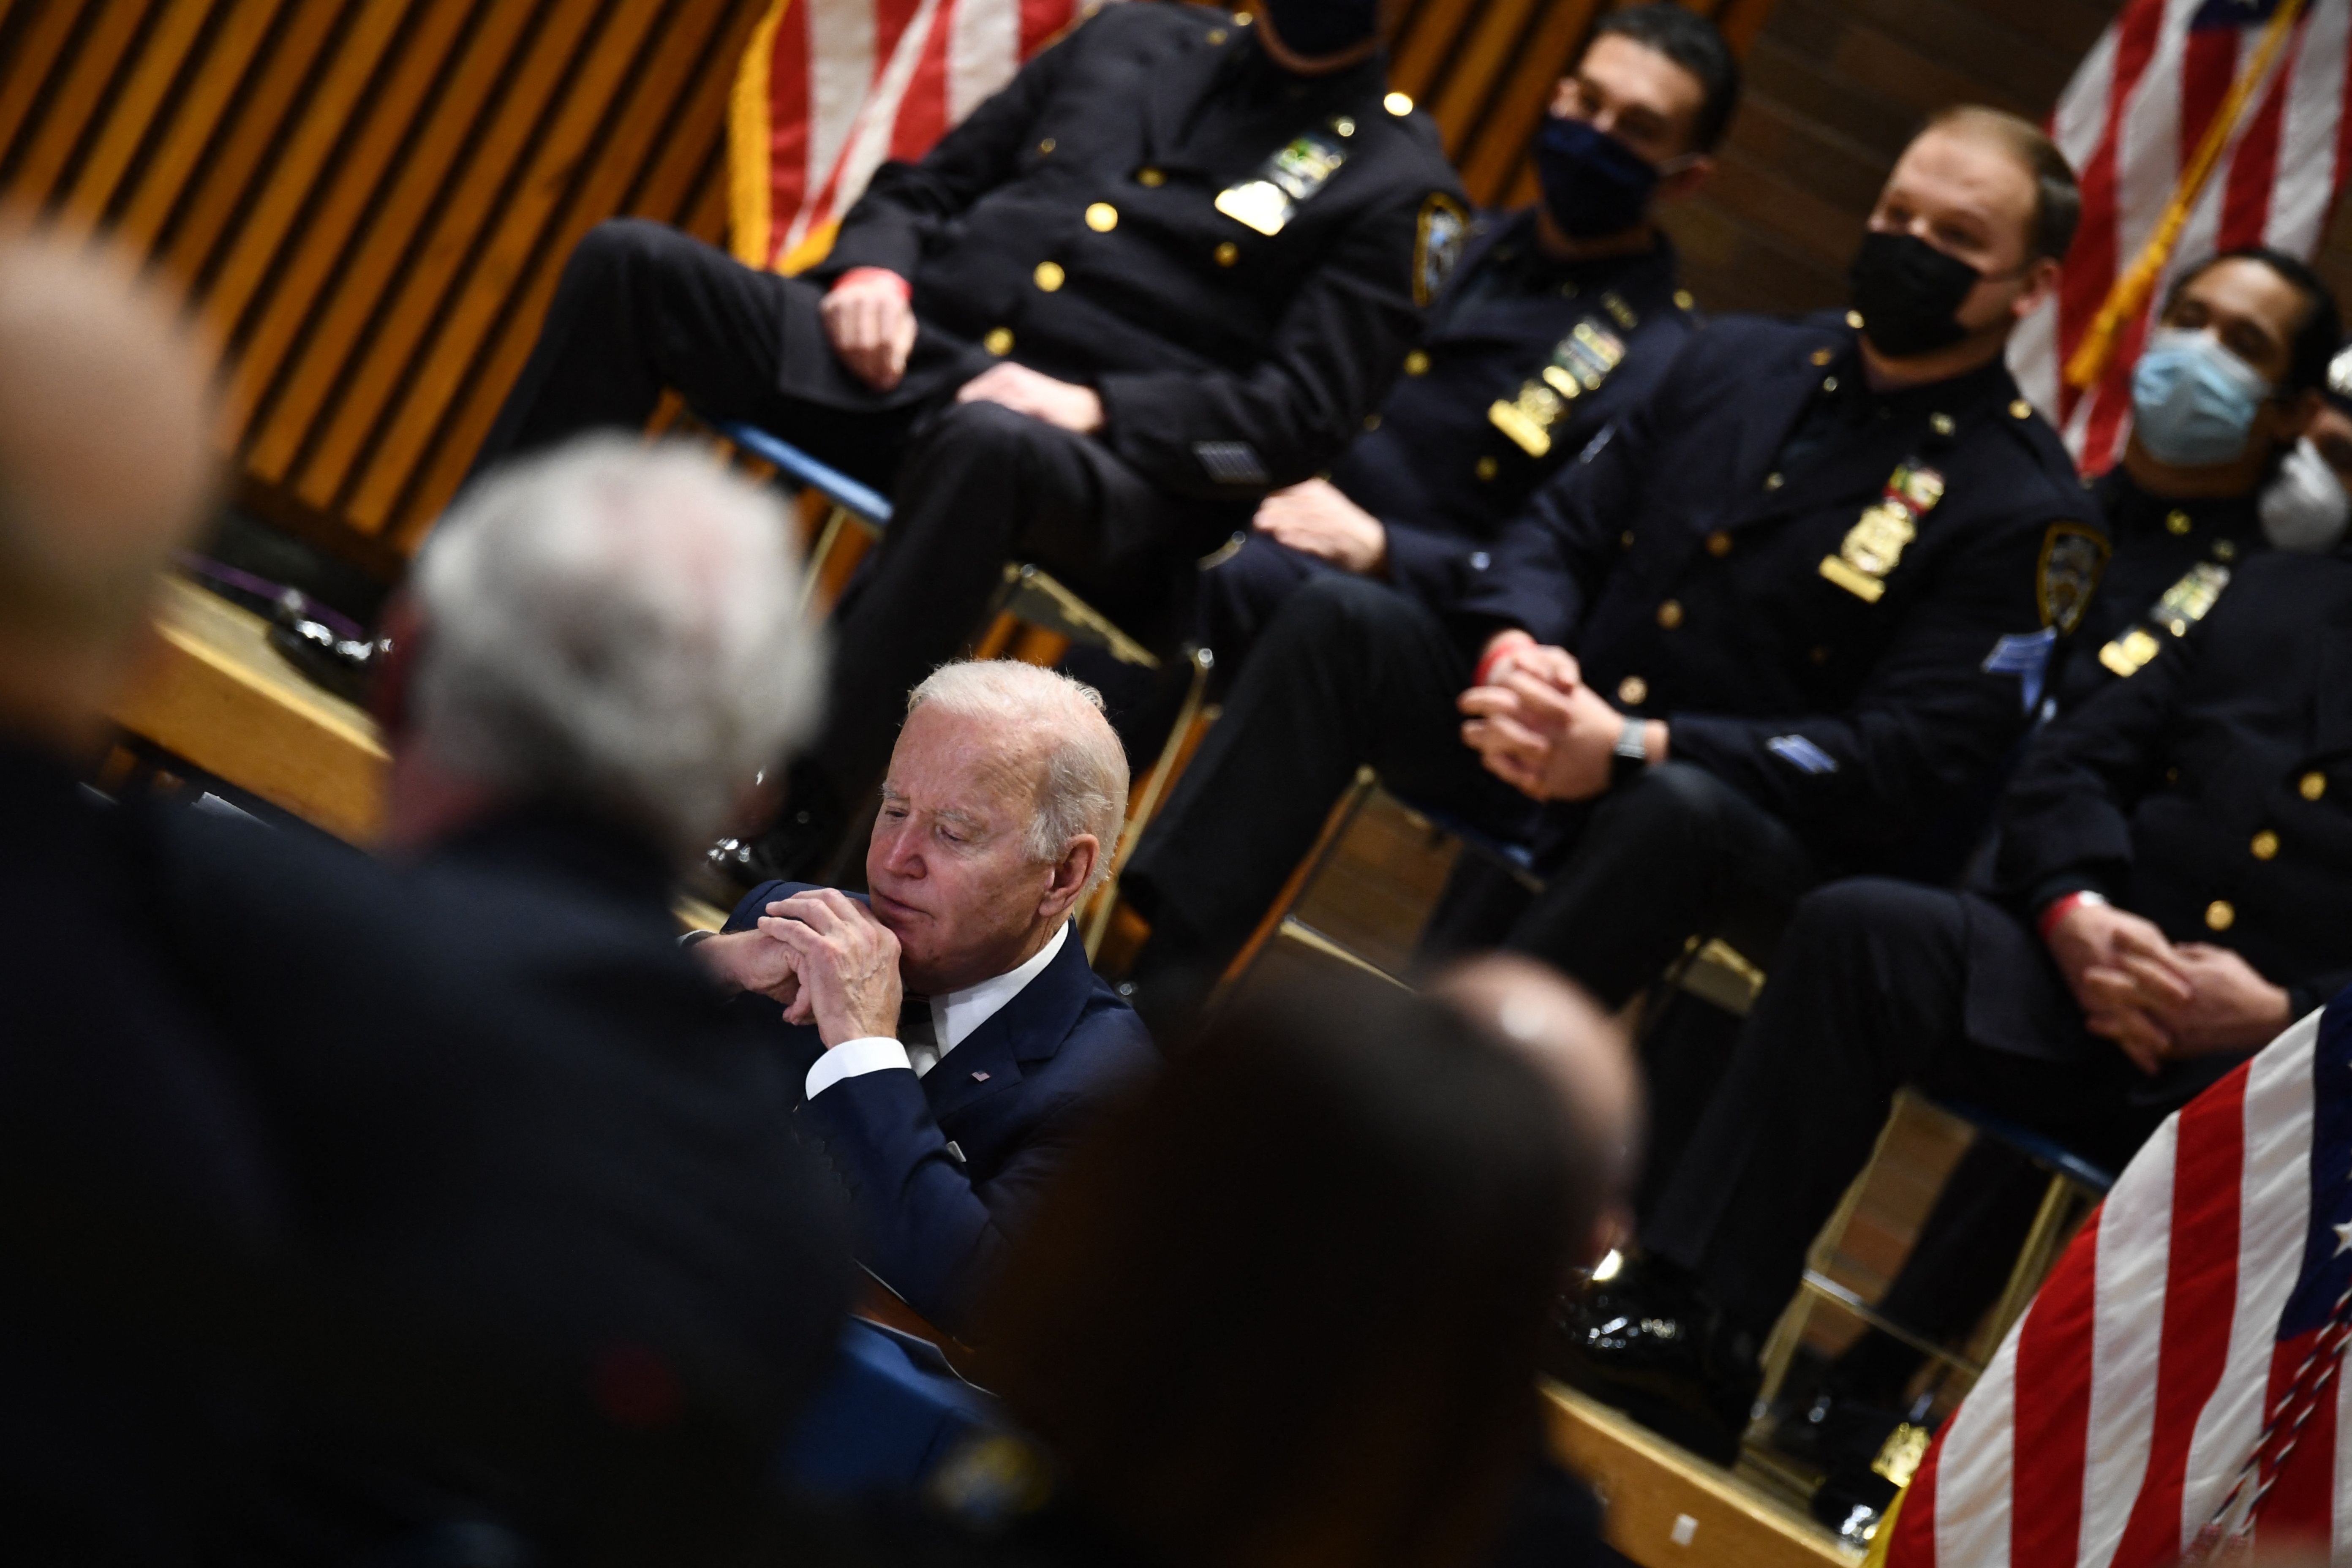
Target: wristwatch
[[1632, 753]]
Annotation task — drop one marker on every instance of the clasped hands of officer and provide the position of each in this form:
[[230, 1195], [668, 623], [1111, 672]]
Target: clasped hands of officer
[[2158, 1001], [824, 957], [872, 326], [1537, 727]]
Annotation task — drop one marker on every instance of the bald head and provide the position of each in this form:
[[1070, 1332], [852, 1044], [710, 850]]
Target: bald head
[[106, 465], [1528, 1007]]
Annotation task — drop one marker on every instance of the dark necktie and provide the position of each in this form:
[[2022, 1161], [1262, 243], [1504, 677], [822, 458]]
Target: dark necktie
[[917, 1033]]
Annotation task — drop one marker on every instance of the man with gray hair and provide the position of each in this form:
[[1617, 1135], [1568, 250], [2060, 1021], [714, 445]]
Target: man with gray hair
[[514, 1111], [951, 1037]]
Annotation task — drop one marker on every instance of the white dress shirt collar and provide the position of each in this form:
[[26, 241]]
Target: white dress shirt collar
[[956, 1015]]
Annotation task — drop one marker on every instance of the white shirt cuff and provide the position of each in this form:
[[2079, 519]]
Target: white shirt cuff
[[851, 1058]]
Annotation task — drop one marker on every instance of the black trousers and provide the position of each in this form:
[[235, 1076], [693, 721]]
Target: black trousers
[[1352, 672], [1868, 996], [642, 307]]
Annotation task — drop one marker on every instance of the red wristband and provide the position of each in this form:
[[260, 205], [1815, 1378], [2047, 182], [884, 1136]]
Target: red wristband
[[1495, 656], [859, 274], [2058, 908]]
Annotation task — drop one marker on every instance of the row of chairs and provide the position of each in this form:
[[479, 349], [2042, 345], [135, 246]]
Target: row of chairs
[[1373, 873]]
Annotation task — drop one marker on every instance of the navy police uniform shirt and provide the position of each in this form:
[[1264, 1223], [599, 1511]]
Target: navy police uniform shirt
[[2172, 560], [2212, 791], [1843, 603], [1235, 258], [1525, 359]]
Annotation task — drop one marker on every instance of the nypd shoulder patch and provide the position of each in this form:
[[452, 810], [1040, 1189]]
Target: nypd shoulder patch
[[1437, 242], [2073, 558]]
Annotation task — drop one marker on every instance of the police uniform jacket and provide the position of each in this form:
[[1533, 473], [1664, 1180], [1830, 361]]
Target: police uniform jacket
[[2172, 560], [1841, 604], [1476, 424], [1071, 222], [941, 1171], [2211, 792]]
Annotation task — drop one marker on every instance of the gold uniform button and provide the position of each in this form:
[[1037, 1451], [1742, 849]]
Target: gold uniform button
[[1485, 468], [2265, 845], [1216, 35], [1823, 356], [2020, 409], [1853, 320], [1718, 543], [1102, 218], [1372, 421], [999, 341], [2220, 915], [2177, 523], [1941, 424], [1416, 363], [1632, 691], [2313, 785], [1398, 104], [1046, 145], [1772, 481], [1152, 179], [1683, 301], [2225, 549], [1625, 540], [1048, 276], [1670, 614], [1228, 253], [1829, 384]]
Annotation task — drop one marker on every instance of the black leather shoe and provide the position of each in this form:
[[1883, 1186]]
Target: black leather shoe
[[343, 665], [1654, 1348], [1854, 1500]]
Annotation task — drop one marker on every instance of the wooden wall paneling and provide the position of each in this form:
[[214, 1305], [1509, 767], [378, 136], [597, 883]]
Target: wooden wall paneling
[[1503, 137], [453, 152], [688, 188], [165, 54], [196, 236], [1471, 74], [46, 42], [629, 80], [1424, 40], [196, 122], [78, 97], [319, 182]]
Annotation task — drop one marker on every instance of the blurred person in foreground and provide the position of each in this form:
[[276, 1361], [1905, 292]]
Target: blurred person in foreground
[[946, 1036], [119, 1109], [514, 1111], [1285, 1308]]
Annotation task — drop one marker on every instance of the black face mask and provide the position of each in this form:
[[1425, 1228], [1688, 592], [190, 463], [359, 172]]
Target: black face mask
[[1316, 28], [1592, 182], [1909, 292]]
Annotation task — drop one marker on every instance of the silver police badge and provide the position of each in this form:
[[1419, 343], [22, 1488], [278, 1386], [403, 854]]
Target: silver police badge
[[1437, 244]]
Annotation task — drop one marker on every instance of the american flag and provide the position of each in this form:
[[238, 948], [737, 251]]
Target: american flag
[[2257, 86], [2173, 1390], [829, 90]]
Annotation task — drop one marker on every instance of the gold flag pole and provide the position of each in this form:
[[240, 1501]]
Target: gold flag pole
[[2089, 360]]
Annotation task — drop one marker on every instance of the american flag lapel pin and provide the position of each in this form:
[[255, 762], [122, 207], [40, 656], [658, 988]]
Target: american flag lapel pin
[[979, 1077]]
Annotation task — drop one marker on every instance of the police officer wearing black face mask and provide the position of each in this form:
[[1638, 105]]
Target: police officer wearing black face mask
[[1172, 267], [1560, 317], [1771, 627]]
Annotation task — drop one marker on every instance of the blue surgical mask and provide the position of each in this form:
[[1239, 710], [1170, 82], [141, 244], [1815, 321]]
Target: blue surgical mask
[[2193, 401]]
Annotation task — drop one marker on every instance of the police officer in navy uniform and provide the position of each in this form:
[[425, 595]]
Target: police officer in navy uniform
[[1560, 317], [2190, 501], [1763, 631], [2174, 888], [1169, 269], [2195, 497]]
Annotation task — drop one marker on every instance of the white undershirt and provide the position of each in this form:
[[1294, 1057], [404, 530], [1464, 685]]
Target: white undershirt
[[954, 1016]]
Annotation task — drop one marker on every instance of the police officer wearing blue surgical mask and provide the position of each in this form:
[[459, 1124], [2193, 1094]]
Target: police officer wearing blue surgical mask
[[2223, 388], [1561, 315]]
